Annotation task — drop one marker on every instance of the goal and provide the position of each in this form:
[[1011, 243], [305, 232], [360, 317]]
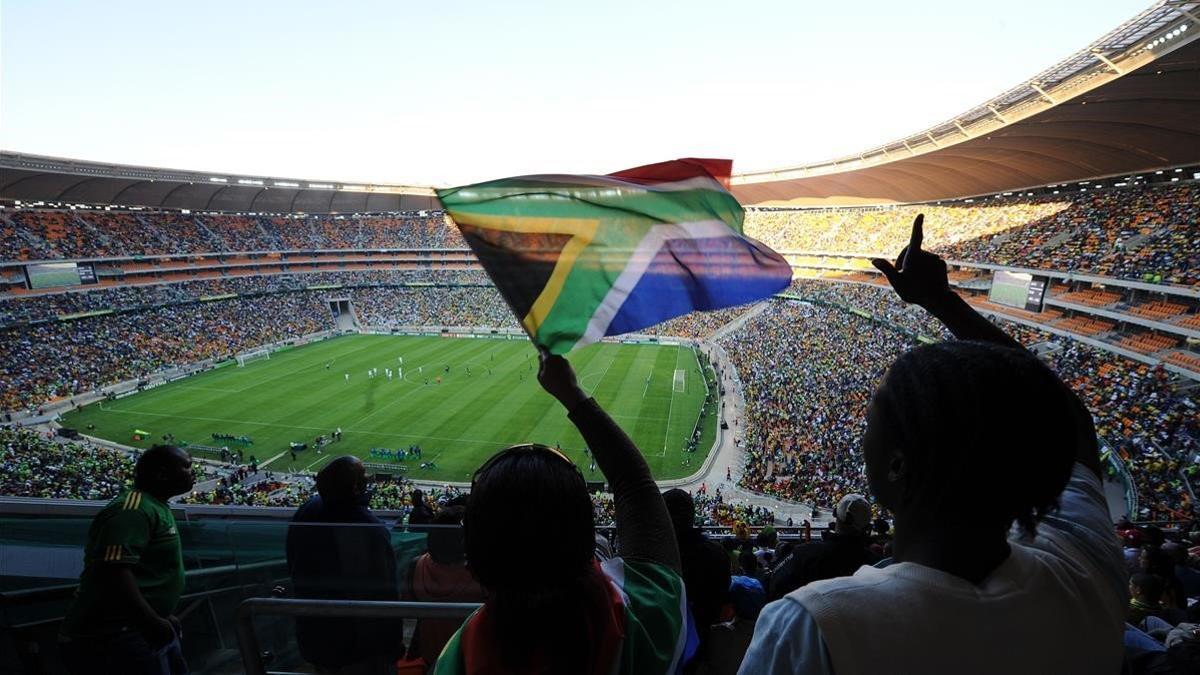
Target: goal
[[256, 355], [680, 383]]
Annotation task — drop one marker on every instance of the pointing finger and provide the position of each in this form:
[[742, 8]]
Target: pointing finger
[[918, 233]]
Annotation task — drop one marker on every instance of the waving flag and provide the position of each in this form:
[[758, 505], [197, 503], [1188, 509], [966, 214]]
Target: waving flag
[[581, 257]]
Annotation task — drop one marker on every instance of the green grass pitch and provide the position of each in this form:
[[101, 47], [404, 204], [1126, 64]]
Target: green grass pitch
[[458, 423]]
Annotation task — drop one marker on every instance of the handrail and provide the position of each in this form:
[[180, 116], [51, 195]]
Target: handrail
[[57, 590], [341, 609]]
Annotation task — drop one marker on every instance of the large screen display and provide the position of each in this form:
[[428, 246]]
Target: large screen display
[[1016, 289], [45, 275]]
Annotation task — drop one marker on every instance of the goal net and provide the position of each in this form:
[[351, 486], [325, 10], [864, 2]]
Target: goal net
[[680, 382], [256, 355]]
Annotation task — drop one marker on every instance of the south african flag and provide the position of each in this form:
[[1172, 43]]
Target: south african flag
[[581, 257]]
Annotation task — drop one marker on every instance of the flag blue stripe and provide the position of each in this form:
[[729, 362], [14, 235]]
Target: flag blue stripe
[[701, 274]]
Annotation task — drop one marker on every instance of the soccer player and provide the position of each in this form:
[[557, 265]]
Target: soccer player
[[121, 620], [347, 377]]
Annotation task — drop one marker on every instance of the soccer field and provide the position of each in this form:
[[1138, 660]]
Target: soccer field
[[459, 422]]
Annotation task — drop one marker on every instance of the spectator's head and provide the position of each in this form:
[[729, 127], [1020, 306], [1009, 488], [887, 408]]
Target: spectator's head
[[747, 563], [1152, 535], [343, 481], [784, 550], [1154, 560], [681, 509], [164, 471], [1147, 588], [1177, 552], [446, 543], [882, 526], [532, 498], [853, 515], [767, 538], [1133, 539], [949, 417]]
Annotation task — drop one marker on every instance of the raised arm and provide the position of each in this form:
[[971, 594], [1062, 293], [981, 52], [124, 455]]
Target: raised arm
[[919, 278], [643, 526]]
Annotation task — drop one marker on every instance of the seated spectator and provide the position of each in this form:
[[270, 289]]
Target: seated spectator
[[839, 553], [1188, 576], [1154, 560], [746, 592], [338, 550], [568, 613], [705, 570], [420, 513], [1146, 610], [937, 438], [440, 575]]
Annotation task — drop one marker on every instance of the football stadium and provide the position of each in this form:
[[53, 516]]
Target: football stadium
[[929, 407]]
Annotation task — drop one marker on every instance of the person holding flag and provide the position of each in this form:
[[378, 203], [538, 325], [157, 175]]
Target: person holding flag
[[571, 613]]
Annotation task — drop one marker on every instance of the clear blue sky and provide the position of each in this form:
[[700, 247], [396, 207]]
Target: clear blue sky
[[446, 92]]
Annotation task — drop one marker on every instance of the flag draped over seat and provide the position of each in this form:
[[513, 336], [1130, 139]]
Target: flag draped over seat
[[581, 257]]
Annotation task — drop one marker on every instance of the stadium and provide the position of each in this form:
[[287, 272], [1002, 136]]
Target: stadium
[[270, 326]]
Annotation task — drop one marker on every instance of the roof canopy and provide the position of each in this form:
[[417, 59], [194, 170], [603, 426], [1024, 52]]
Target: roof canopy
[[1127, 104]]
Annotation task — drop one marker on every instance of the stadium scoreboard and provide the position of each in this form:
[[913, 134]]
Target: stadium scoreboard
[[1019, 290], [49, 275]]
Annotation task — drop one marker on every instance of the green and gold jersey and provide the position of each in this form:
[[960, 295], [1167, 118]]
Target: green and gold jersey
[[136, 530]]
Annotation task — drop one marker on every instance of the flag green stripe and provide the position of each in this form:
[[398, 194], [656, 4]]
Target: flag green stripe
[[593, 202], [628, 212]]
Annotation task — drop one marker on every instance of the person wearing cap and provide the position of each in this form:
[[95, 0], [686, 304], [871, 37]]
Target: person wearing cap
[[840, 553]]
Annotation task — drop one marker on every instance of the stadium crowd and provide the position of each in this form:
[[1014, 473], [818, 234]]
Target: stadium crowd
[[33, 308], [34, 465], [44, 234], [40, 362], [807, 375], [800, 444], [1145, 232]]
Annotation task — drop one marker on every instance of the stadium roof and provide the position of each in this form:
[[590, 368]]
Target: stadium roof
[[1127, 103], [33, 178]]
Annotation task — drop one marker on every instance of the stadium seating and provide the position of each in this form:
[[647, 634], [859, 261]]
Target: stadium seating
[[1144, 233], [36, 234], [807, 377], [1134, 232]]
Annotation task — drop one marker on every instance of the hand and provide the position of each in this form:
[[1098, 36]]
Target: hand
[[160, 633], [558, 379], [919, 277]]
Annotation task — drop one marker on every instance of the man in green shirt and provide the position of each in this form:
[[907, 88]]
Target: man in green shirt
[[121, 618]]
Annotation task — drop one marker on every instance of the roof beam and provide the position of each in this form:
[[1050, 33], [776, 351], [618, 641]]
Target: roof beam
[[1115, 68], [1034, 86]]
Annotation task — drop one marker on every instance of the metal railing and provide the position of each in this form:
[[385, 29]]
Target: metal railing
[[252, 656]]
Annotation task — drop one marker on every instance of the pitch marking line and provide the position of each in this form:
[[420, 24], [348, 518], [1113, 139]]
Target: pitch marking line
[[670, 409]]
